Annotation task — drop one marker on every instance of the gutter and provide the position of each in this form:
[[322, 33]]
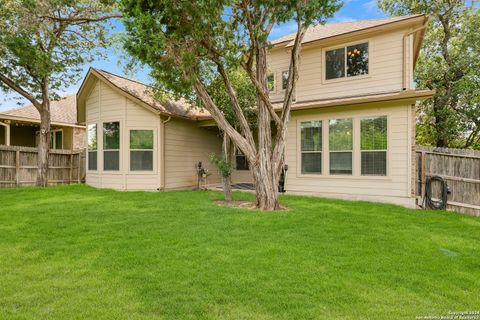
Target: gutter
[[404, 52]]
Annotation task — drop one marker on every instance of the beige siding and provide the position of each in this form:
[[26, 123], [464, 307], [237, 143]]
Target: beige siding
[[395, 187], [385, 68], [239, 176], [104, 104], [185, 145]]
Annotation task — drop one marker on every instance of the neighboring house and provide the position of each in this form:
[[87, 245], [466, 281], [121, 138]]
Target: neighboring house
[[351, 133], [20, 126]]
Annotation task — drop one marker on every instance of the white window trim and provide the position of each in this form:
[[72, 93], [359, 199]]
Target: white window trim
[[52, 132], [387, 151], [154, 151], [88, 150], [102, 159], [345, 78], [7, 132], [321, 151], [338, 151], [356, 152]]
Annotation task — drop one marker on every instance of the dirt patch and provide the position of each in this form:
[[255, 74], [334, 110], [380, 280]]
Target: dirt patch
[[241, 204]]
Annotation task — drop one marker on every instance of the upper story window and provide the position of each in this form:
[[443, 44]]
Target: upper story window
[[348, 61], [111, 146], [92, 146], [271, 82], [284, 80]]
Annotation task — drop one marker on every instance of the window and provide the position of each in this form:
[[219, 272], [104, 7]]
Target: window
[[271, 82], [284, 80], [311, 146], [141, 150], [341, 146], [56, 139], [111, 146], [348, 61], [373, 146], [92, 146], [241, 162]]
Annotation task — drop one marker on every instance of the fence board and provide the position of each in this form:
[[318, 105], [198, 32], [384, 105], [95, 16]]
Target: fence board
[[18, 166], [461, 170]]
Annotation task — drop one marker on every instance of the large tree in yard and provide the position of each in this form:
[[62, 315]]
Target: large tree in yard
[[43, 45], [189, 43], [449, 63]]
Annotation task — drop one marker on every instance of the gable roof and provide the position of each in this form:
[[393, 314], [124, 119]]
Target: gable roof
[[143, 94], [63, 111], [329, 30]]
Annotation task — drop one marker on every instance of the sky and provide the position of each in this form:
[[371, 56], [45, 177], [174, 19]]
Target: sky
[[351, 10]]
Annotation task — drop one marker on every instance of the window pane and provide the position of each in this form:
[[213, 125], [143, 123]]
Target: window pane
[[374, 133], [340, 137], [284, 80], [335, 64], [58, 140], [357, 59], [312, 162], [340, 163], [141, 139], [92, 136], [111, 160], [141, 160], [374, 163], [311, 136], [111, 136], [241, 162], [271, 82], [92, 160]]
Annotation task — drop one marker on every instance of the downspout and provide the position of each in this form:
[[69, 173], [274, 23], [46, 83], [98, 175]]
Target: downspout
[[404, 71], [162, 152]]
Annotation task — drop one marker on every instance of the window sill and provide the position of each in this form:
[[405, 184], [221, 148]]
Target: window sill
[[341, 177], [345, 79]]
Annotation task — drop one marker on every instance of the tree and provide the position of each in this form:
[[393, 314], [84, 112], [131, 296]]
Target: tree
[[189, 43], [43, 45], [245, 95], [449, 64]]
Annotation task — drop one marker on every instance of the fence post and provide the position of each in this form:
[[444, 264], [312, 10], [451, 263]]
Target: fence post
[[17, 168], [70, 178], [424, 173], [79, 155]]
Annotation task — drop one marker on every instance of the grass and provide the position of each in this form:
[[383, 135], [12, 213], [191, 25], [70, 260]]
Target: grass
[[74, 252]]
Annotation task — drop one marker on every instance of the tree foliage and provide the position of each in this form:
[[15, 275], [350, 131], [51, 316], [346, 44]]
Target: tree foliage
[[449, 64], [189, 44], [43, 47]]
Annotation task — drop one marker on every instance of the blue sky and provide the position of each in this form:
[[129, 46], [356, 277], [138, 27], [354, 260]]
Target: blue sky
[[351, 10]]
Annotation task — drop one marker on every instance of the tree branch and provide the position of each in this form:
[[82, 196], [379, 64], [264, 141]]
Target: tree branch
[[12, 85]]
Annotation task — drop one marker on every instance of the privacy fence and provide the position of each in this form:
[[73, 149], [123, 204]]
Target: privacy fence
[[460, 168], [18, 166]]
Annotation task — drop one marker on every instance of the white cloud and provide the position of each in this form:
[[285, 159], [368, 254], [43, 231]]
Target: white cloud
[[342, 19], [370, 5]]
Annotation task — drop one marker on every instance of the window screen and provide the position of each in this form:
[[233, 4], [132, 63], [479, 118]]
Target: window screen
[[311, 146], [341, 145], [92, 146], [335, 64], [141, 150], [111, 146], [284, 80], [373, 145], [271, 82]]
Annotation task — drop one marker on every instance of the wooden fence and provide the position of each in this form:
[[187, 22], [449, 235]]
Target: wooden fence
[[18, 166], [460, 168]]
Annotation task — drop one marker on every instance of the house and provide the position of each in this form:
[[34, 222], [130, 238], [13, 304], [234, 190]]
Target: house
[[351, 133], [20, 126]]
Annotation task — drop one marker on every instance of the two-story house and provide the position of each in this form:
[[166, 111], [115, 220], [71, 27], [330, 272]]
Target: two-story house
[[351, 133]]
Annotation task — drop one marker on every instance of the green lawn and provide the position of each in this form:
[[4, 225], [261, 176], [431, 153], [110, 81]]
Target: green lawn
[[74, 252]]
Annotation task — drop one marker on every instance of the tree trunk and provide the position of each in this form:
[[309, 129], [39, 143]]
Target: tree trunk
[[44, 144], [227, 181], [263, 169]]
